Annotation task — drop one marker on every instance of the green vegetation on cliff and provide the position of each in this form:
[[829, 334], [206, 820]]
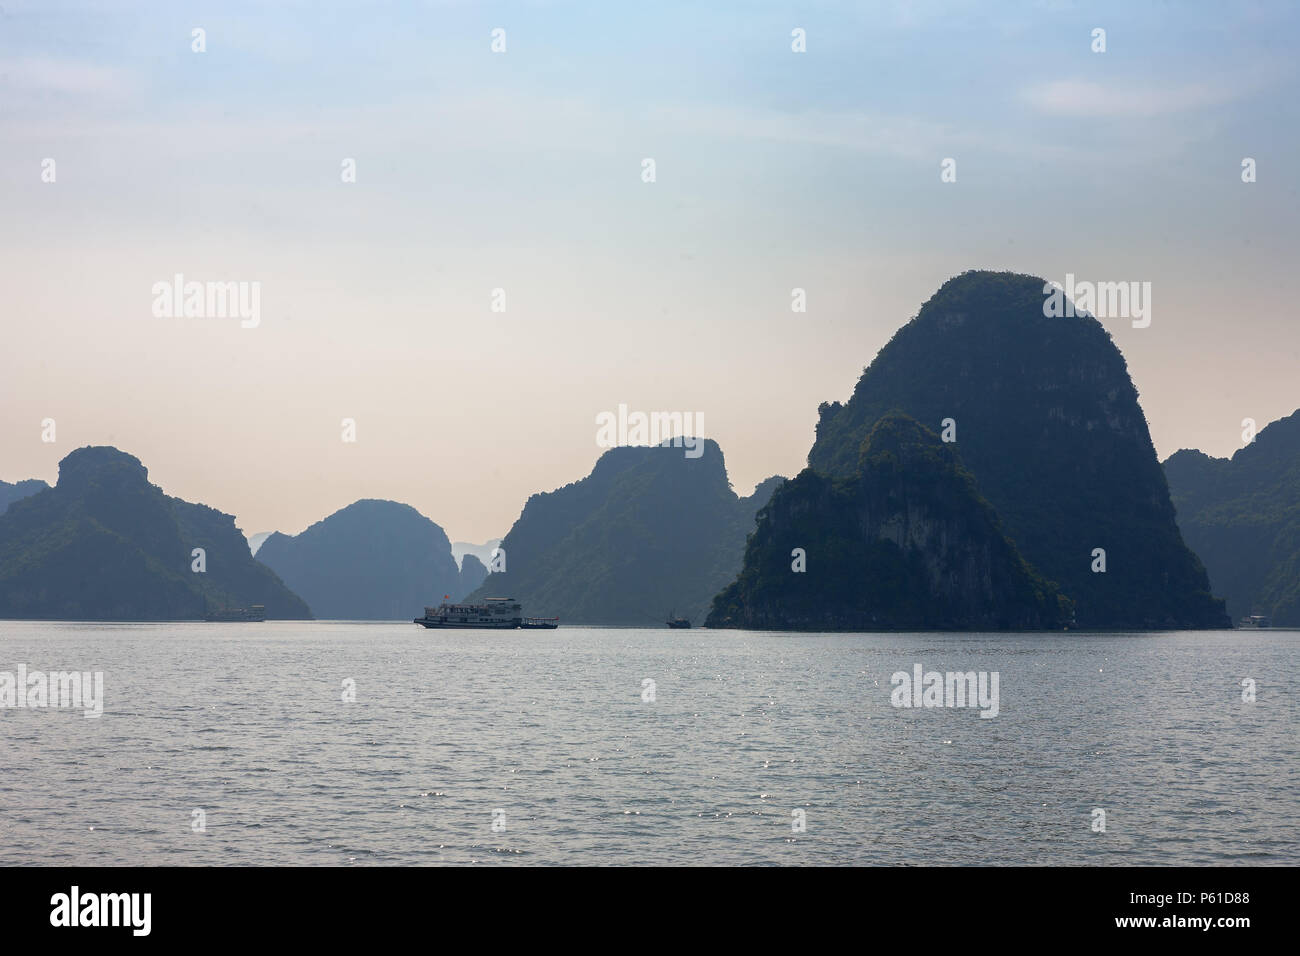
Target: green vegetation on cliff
[[1046, 418], [906, 543], [104, 544], [1242, 516], [649, 531], [9, 493]]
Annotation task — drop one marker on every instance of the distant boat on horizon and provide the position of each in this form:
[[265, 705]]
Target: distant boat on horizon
[[1256, 620], [677, 623], [256, 612]]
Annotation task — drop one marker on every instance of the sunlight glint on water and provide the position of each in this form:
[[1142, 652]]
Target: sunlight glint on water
[[246, 722]]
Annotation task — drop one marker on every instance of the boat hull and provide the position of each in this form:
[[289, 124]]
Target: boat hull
[[467, 625]]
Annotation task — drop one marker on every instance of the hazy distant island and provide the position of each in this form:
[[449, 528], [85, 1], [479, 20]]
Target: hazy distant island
[[1242, 516], [992, 469], [106, 544], [481, 552], [373, 560]]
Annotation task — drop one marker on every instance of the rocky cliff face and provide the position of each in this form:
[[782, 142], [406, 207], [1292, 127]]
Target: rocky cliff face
[[647, 533], [1242, 517], [373, 560], [906, 543], [105, 544], [1046, 418]]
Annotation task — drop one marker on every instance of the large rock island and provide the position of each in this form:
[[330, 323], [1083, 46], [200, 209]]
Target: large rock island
[[649, 532], [373, 560], [106, 545], [1045, 417]]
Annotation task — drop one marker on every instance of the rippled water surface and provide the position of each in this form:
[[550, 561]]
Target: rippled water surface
[[247, 723]]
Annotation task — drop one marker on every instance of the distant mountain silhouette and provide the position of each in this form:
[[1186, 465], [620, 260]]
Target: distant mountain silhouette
[[10, 493], [104, 544], [472, 574], [481, 551], [905, 544], [649, 531], [1047, 420], [255, 541], [373, 560], [1242, 516]]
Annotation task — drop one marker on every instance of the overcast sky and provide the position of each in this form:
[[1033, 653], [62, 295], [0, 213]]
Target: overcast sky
[[522, 171]]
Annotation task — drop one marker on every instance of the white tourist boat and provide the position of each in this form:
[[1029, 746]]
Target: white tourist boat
[[499, 613]]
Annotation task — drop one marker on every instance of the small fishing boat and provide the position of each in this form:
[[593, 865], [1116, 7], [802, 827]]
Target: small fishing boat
[[256, 612]]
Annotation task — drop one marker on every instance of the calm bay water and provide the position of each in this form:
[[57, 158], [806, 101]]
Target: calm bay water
[[247, 723]]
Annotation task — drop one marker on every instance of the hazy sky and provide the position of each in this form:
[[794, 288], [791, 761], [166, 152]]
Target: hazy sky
[[522, 171]]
